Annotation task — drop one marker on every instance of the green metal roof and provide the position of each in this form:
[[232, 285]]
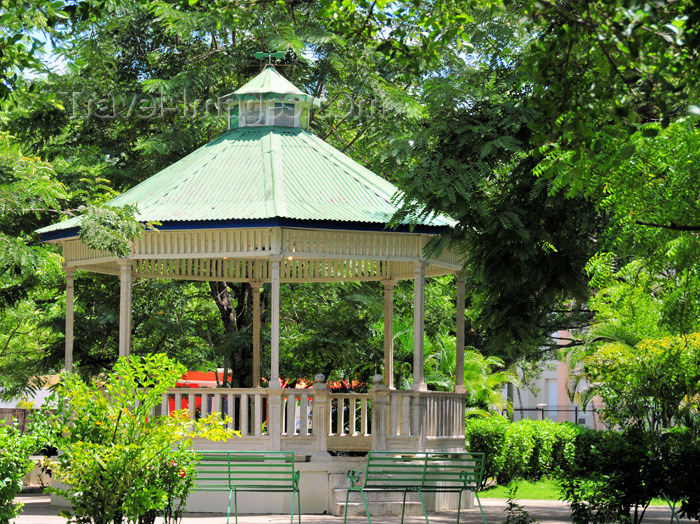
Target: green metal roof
[[262, 173], [269, 83]]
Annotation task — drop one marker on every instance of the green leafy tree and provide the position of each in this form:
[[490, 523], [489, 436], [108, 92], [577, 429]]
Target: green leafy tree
[[526, 248], [119, 460], [15, 463], [613, 66]]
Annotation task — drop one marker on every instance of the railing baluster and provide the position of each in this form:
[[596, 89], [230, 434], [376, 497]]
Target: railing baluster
[[291, 414], [191, 404], [406, 413], [216, 404], [352, 406], [204, 407], [165, 404], [244, 417], [231, 411], [257, 414], [304, 415], [363, 417], [341, 413]]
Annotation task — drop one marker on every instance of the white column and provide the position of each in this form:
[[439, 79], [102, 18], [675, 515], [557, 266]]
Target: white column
[[389, 333], [70, 308], [419, 327], [459, 358], [275, 327], [256, 333], [124, 308]]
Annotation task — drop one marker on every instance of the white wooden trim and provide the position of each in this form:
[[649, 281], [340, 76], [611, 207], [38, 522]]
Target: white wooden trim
[[124, 308], [389, 333], [459, 358], [419, 327], [275, 325], [70, 308], [256, 333]]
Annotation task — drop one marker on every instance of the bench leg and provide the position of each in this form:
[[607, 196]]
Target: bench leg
[[422, 503], [459, 505], [235, 505], [347, 496], [364, 499], [476, 496], [403, 505], [228, 510], [298, 507]]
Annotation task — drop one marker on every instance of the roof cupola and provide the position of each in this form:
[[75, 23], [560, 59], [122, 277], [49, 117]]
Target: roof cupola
[[269, 99]]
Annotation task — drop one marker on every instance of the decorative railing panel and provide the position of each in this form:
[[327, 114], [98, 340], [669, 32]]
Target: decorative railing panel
[[317, 420]]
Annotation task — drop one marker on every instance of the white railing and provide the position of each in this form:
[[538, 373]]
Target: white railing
[[245, 408], [445, 415], [317, 420], [296, 415]]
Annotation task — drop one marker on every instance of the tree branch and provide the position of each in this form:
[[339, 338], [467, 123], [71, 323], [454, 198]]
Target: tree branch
[[671, 225]]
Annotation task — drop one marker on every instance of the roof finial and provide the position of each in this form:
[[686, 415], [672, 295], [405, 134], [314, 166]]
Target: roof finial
[[279, 56]]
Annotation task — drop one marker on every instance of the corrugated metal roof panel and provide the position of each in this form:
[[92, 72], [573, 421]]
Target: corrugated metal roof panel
[[269, 81], [259, 173]]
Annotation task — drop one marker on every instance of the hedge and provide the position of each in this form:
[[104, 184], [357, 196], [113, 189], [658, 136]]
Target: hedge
[[528, 449]]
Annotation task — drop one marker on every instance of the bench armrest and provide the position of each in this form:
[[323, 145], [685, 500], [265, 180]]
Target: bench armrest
[[353, 476], [469, 480]]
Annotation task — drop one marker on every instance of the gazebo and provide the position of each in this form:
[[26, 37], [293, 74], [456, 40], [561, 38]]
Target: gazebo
[[268, 202]]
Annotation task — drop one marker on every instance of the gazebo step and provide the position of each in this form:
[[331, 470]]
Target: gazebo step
[[339, 480], [377, 509], [374, 496]]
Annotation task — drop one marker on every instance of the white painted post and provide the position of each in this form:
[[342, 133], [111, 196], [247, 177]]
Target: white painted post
[[274, 417], [124, 308], [389, 333], [320, 418], [380, 404], [70, 308], [459, 359], [256, 333], [275, 327], [419, 327]]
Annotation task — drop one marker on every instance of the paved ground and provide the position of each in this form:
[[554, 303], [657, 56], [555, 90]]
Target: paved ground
[[38, 510]]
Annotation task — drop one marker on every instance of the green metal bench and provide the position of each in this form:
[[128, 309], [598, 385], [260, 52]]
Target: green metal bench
[[436, 472], [235, 471]]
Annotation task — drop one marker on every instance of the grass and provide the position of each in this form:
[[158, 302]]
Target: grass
[[545, 489]]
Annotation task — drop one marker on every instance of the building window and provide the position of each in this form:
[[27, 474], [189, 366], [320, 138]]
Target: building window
[[254, 115], [284, 114]]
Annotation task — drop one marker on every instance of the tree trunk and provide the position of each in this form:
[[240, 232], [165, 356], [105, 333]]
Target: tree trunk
[[235, 307]]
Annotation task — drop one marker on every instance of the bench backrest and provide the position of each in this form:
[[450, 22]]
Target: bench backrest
[[424, 470], [455, 470], [246, 470], [392, 469]]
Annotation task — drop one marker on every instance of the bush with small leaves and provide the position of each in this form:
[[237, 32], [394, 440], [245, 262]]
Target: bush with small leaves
[[15, 449], [528, 449], [120, 462]]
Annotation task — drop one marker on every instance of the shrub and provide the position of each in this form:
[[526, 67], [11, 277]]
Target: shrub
[[528, 449], [613, 476], [680, 452], [118, 461], [516, 451], [15, 449], [487, 436]]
